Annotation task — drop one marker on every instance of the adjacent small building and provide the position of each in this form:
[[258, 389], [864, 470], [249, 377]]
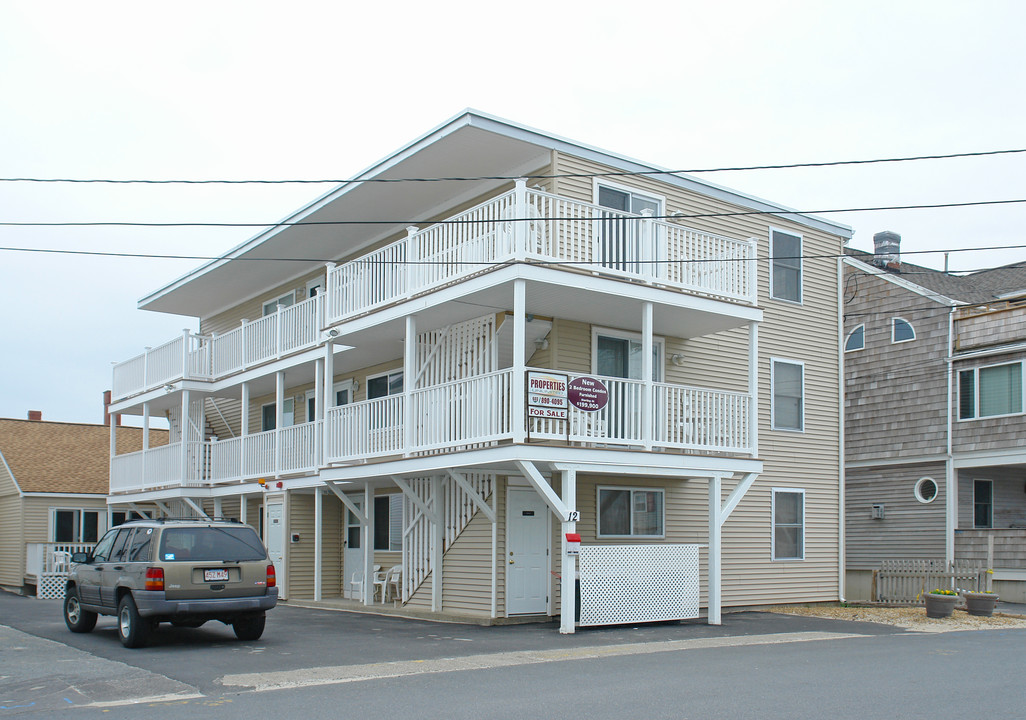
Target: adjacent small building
[[54, 480], [935, 438]]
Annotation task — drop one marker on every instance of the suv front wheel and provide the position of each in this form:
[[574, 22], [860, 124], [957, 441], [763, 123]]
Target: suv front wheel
[[133, 629]]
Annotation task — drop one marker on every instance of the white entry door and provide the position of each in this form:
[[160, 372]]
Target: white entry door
[[527, 561], [275, 528], [353, 557]]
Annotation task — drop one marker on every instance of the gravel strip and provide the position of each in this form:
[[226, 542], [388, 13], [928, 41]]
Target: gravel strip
[[911, 618]]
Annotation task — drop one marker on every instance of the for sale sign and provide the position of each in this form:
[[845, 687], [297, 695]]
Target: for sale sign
[[587, 394], [546, 395]]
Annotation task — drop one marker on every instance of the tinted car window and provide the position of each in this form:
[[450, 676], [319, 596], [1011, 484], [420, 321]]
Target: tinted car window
[[139, 550], [211, 543], [119, 552], [102, 550]]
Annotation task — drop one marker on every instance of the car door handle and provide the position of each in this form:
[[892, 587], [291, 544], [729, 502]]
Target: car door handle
[[118, 567]]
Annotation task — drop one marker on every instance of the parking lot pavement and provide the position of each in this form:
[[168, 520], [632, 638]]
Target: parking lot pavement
[[184, 661]]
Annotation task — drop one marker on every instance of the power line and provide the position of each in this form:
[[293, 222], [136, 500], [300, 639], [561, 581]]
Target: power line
[[616, 219], [612, 173]]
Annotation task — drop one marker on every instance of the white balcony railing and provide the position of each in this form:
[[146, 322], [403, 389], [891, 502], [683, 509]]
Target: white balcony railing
[[519, 224]]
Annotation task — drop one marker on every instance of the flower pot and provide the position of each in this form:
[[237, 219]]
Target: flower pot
[[981, 604], [940, 606]]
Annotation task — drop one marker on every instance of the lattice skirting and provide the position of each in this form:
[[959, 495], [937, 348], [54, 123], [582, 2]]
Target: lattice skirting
[[638, 583], [51, 586]]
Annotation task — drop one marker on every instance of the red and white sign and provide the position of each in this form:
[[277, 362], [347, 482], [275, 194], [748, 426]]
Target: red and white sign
[[587, 394]]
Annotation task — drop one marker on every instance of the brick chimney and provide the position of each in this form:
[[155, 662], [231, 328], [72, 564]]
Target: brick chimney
[[35, 415], [106, 410], [887, 250]]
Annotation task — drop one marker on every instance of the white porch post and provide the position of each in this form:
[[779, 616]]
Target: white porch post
[[647, 393], [318, 411], [412, 260], [146, 439], [753, 388], [242, 510], [184, 422], [409, 377], [218, 507], [367, 543], [244, 429], [517, 386], [327, 399], [318, 499], [568, 563], [437, 542], [279, 416], [715, 550], [520, 229]]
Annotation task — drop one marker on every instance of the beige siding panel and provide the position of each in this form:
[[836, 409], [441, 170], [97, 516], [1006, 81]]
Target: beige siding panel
[[12, 542], [36, 513], [7, 484], [300, 555], [909, 529], [467, 569]]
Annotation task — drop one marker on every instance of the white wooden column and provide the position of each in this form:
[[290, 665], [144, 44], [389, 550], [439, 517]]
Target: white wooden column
[[646, 375], [520, 219], [318, 545], [244, 428], [753, 388], [409, 378], [184, 422], [318, 411], [327, 399], [218, 507], [367, 543], [517, 386], [715, 550], [437, 542], [243, 515], [279, 416], [413, 273], [146, 440], [568, 563]]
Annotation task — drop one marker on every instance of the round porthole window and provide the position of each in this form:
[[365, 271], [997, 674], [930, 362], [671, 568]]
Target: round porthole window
[[926, 490]]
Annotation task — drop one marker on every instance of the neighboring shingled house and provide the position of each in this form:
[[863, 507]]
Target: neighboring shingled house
[[54, 480], [935, 438]]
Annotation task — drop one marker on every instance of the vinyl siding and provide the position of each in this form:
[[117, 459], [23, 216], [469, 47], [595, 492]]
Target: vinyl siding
[[12, 541], [301, 555], [467, 569], [909, 530], [36, 514]]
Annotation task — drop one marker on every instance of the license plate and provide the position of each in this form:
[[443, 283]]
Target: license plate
[[213, 575]]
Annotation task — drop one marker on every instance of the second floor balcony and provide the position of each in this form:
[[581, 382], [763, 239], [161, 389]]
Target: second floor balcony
[[476, 412], [520, 225]]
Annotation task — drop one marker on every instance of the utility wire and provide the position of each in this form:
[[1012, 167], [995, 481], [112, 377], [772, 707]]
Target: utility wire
[[623, 173], [599, 218]]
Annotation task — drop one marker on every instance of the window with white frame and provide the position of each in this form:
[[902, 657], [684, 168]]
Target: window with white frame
[[269, 415], [271, 306], [618, 354], [619, 237], [75, 525], [630, 512], [385, 384], [787, 380], [856, 339], [990, 391], [902, 330], [388, 522], [785, 265], [788, 524]]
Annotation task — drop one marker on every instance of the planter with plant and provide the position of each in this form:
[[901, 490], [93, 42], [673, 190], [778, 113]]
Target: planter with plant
[[940, 603], [980, 603]]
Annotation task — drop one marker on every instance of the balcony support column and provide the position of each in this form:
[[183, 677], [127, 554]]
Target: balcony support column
[[145, 440], [244, 429], [647, 378], [279, 416], [437, 542], [218, 507], [326, 397], [409, 378], [520, 219], [367, 543], [327, 307], [753, 388], [413, 274], [184, 432], [568, 563], [318, 543], [518, 419], [715, 549]]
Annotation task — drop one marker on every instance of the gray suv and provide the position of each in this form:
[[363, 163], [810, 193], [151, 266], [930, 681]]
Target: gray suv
[[185, 572]]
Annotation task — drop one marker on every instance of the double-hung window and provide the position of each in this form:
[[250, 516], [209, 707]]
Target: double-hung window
[[990, 391], [788, 386], [271, 306], [788, 524], [785, 266], [630, 512]]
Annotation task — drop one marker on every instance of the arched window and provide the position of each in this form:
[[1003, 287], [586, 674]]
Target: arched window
[[901, 330], [856, 339]]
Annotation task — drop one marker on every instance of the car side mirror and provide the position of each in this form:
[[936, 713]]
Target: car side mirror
[[80, 557]]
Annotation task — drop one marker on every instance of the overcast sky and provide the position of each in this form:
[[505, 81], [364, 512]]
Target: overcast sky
[[262, 90]]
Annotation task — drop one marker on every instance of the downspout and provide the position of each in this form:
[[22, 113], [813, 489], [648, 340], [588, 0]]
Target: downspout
[[841, 535], [950, 485]]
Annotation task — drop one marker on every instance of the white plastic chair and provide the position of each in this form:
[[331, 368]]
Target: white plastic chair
[[61, 561], [395, 582], [356, 584], [386, 579]]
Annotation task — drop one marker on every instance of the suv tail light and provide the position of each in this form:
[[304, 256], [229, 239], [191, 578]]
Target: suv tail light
[[272, 579], [154, 578]]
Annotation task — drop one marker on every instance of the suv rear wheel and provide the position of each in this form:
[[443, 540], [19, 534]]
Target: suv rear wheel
[[77, 619], [133, 629], [249, 627]]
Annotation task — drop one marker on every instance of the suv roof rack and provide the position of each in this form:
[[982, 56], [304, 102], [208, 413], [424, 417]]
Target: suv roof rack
[[162, 520]]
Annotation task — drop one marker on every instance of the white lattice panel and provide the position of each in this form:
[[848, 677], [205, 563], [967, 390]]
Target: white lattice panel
[[51, 586], [638, 583]]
